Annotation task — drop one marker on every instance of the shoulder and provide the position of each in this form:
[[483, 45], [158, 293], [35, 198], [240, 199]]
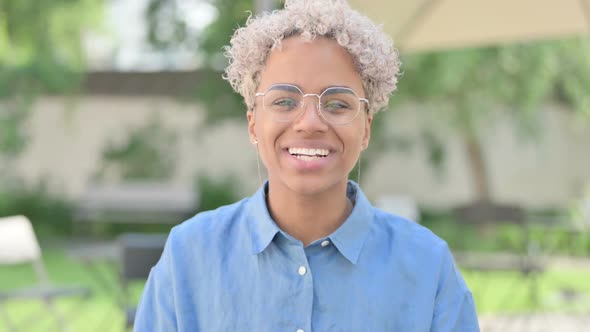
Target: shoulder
[[416, 250], [407, 231], [213, 220], [409, 240]]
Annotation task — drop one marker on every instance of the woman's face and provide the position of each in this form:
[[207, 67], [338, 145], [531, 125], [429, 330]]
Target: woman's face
[[294, 152]]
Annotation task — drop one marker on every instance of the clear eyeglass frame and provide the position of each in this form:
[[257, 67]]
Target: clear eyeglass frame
[[296, 111]]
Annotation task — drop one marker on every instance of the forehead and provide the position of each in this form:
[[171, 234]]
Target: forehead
[[311, 65]]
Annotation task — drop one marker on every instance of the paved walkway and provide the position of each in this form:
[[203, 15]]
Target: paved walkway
[[535, 323]]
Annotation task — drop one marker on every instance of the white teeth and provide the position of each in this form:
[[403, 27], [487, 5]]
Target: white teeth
[[309, 152], [307, 158]]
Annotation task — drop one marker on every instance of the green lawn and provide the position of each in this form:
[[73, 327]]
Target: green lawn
[[558, 290], [101, 312]]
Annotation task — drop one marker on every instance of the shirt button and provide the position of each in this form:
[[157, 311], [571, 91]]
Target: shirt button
[[302, 270], [325, 243], [300, 330]]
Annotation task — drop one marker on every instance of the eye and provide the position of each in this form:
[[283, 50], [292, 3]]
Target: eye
[[285, 102], [336, 105]]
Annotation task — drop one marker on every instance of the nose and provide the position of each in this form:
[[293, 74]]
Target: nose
[[310, 118]]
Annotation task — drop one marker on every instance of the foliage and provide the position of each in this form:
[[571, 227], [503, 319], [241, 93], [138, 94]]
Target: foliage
[[49, 213], [216, 192], [471, 82], [579, 212], [472, 88], [509, 237], [165, 30], [40, 51], [12, 117], [40, 43], [148, 154], [216, 94]]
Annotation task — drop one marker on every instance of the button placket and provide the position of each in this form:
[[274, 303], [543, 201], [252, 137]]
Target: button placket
[[302, 271], [304, 283]]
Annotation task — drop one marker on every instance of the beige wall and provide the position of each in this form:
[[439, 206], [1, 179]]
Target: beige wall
[[546, 171], [68, 136]]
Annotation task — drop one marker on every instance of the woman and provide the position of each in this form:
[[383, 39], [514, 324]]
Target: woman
[[307, 251]]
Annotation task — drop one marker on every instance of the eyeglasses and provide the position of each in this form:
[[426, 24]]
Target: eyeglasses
[[336, 105]]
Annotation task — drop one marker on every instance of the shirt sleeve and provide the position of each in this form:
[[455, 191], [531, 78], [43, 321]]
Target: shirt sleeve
[[156, 311], [454, 309]]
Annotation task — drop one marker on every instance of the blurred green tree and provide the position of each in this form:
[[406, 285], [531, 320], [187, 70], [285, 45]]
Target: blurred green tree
[[216, 95], [472, 88], [40, 51]]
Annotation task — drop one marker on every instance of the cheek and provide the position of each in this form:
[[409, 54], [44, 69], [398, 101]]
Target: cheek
[[355, 140], [268, 135]]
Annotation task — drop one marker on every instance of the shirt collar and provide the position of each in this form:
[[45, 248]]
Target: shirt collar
[[262, 228], [349, 238]]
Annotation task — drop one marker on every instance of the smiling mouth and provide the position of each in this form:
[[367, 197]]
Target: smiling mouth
[[308, 154]]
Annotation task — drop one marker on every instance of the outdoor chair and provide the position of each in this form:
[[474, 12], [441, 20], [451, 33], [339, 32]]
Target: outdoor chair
[[139, 253], [18, 245], [525, 259]]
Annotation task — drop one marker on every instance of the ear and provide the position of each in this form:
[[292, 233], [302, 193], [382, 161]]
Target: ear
[[251, 116], [367, 134]]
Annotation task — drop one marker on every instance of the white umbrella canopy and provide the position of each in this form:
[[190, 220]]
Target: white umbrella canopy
[[430, 25]]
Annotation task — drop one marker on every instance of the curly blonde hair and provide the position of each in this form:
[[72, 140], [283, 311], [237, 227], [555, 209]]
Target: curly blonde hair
[[376, 59]]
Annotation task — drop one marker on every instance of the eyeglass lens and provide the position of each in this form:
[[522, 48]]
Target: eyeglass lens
[[286, 102]]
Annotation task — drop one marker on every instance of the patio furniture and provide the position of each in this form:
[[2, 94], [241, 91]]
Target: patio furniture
[[100, 260], [525, 259], [136, 202], [19, 245], [138, 254], [130, 203]]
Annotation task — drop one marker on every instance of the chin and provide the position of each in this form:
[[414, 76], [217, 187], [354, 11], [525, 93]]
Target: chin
[[310, 186]]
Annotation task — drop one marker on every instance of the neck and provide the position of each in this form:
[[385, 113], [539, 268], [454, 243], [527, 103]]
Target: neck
[[308, 217]]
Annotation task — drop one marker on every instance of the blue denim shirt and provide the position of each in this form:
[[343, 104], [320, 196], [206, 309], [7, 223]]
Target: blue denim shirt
[[233, 269]]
